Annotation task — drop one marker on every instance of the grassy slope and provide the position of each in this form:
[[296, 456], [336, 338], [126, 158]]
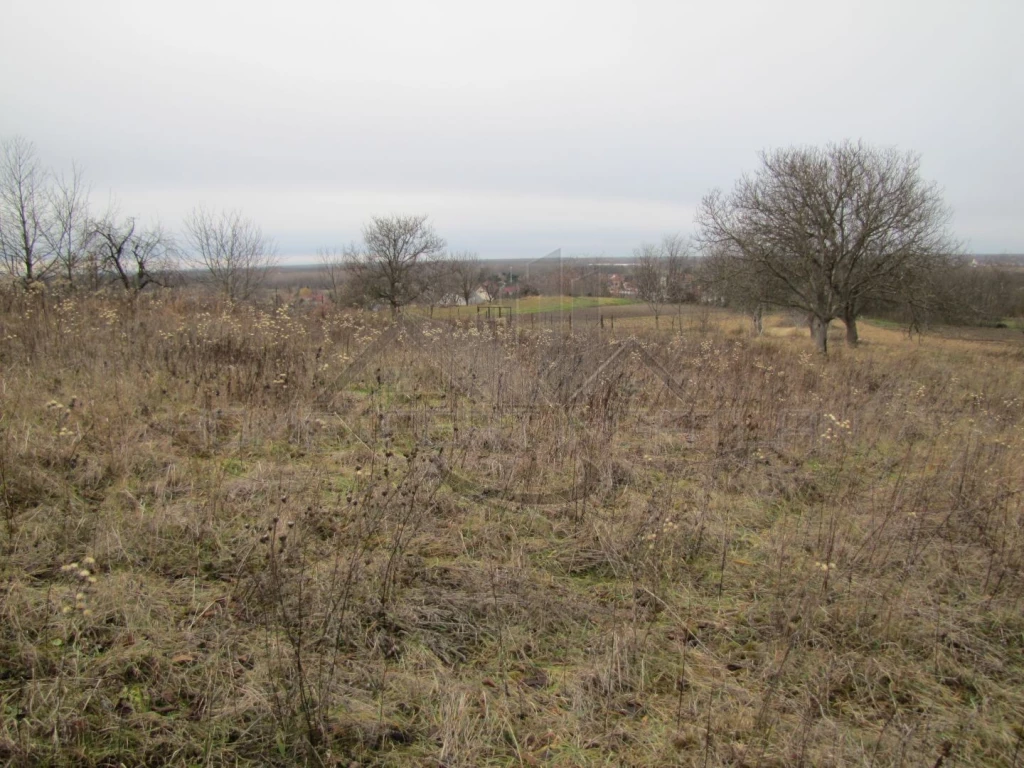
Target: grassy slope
[[302, 560]]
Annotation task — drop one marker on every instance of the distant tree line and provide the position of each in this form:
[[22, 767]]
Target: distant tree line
[[50, 235], [831, 233]]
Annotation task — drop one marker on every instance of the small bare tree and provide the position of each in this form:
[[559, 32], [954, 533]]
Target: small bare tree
[[467, 274], [440, 285], [492, 286], [232, 249], [651, 278], [24, 218], [725, 279], [333, 270], [679, 285], [389, 269], [70, 229], [133, 258]]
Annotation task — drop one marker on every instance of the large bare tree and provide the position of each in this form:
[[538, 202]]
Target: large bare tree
[[24, 216], [828, 230], [232, 249], [389, 268]]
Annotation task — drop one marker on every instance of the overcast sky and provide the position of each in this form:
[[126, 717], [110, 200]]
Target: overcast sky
[[518, 127]]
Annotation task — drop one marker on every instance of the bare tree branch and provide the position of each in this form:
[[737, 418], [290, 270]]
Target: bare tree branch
[[133, 258], [232, 249]]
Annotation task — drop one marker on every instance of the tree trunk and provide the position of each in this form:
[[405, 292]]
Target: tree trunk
[[819, 332], [757, 315], [850, 321]]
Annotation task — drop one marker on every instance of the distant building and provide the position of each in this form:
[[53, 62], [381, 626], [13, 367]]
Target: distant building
[[619, 286], [479, 296]]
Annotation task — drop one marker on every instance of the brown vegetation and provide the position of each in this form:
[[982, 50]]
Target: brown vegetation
[[249, 537]]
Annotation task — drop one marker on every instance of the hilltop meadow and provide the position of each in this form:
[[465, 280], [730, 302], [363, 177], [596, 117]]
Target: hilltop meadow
[[279, 535]]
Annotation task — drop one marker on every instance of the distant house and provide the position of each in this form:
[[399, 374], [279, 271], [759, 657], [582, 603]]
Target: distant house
[[618, 285], [479, 296]]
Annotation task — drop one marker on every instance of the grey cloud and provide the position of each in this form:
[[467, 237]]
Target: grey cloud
[[517, 108]]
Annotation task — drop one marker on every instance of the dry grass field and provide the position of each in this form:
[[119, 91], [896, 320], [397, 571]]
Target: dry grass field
[[233, 536]]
